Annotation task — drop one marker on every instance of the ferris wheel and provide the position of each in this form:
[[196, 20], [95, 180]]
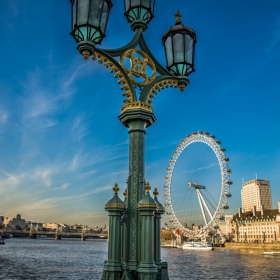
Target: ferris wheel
[[196, 191]]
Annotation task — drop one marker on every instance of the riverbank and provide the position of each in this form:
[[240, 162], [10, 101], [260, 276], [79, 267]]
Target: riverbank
[[263, 246]]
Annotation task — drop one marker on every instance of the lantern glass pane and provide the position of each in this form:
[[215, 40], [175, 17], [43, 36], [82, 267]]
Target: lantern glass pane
[[146, 3], [127, 3], [178, 45], [83, 11], [74, 15], [81, 33], [135, 3], [168, 51], [94, 12], [152, 5], [188, 49], [104, 16]]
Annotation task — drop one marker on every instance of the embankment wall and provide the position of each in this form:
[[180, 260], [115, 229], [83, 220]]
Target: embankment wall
[[263, 246]]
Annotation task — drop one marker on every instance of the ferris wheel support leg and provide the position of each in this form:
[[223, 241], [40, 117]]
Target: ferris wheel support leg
[[202, 210], [206, 206]]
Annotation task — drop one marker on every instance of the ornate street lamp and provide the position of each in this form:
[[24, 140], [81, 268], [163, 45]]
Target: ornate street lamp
[[179, 43], [89, 21], [135, 223]]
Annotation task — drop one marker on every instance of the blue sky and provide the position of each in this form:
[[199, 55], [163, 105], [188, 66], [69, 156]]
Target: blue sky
[[62, 147]]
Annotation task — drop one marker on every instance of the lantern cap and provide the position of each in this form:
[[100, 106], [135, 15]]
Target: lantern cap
[[115, 202], [179, 28]]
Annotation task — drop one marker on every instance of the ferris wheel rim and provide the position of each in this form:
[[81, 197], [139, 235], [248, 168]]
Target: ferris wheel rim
[[225, 181]]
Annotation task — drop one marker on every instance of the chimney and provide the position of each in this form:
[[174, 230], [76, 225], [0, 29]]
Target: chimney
[[279, 206], [239, 212], [262, 209], [254, 211]]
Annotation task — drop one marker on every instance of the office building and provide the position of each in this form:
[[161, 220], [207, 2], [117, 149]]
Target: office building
[[256, 193]]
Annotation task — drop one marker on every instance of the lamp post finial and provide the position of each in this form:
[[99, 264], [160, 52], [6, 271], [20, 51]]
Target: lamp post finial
[[178, 18]]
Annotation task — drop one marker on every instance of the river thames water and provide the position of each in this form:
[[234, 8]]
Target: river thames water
[[46, 258]]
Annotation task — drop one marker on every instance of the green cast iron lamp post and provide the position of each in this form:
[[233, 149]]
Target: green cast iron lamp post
[[134, 232]]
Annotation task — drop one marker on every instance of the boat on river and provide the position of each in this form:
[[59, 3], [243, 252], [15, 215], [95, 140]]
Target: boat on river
[[199, 246], [272, 253], [2, 241]]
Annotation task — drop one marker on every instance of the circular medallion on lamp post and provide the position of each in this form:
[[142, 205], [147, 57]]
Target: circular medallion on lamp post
[[138, 67]]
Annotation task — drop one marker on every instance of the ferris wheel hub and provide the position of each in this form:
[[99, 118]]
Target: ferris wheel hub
[[196, 186]]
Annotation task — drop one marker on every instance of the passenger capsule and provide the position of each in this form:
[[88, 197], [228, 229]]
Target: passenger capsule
[[228, 170], [229, 182], [223, 149], [206, 133], [194, 133], [218, 142], [226, 159], [212, 136]]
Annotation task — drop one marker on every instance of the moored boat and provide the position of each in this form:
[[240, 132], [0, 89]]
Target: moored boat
[[2, 241], [200, 246]]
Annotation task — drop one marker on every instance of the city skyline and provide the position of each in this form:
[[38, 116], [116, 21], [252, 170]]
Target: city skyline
[[62, 147]]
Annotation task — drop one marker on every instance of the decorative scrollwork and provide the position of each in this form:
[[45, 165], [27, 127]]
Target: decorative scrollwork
[[138, 66], [115, 205], [147, 204], [158, 87], [137, 104], [115, 68]]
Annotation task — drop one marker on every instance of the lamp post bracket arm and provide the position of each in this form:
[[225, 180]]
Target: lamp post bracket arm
[[145, 48], [160, 82], [131, 45], [120, 74]]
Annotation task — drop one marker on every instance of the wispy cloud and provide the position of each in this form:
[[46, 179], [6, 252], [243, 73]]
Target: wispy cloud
[[80, 127], [275, 36], [209, 166], [3, 117]]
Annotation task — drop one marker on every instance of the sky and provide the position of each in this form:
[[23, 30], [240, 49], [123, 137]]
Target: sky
[[62, 147]]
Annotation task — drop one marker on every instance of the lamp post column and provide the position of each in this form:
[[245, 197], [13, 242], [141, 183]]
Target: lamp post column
[[136, 120], [113, 267], [161, 267], [146, 207]]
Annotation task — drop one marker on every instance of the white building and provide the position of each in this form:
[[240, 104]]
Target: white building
[[256, 226], [256, 193]]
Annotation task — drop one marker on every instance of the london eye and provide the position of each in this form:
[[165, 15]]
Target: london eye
[[197, 185]]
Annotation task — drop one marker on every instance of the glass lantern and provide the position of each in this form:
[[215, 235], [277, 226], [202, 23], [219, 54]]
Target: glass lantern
[[89, 19], [139, 10], [179, 43]]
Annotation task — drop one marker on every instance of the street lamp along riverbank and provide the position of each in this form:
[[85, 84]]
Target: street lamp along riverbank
[[134, 235]]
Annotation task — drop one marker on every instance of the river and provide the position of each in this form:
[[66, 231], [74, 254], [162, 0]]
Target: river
[[46, 258]]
